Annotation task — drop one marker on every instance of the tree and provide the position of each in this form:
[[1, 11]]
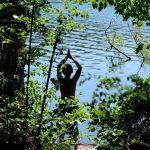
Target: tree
[[26, 121], [136, 10], [11, 49], [120, 114]]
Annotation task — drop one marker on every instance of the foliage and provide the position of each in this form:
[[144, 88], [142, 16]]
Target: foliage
[[20, 121], [138, 10], [121, 111], [29, 109], [51, 133]]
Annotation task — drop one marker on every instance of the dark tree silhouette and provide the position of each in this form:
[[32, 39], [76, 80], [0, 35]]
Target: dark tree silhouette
[[12, 51]]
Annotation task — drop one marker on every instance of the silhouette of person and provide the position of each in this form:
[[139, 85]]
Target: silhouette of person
[[68, 88], [68, 84]]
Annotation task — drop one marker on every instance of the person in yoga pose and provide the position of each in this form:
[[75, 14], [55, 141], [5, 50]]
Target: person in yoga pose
[[67, 89], [68, 84]]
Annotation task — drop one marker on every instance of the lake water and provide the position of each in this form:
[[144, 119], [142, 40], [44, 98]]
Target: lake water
[[89, 48]]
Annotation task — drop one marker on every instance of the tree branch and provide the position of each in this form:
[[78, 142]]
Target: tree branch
[[113, 46], [47, 83], [29, 59], [134, 37]]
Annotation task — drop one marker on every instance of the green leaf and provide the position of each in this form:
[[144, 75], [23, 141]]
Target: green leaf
[[93, 1], [140, 23], [1, 7], [15, 16], [139, 48], [79, 1], [12, 30], [95, 5]]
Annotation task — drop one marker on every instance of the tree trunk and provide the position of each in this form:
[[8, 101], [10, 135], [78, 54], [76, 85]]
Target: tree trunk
[[12, 64], [12, 54]]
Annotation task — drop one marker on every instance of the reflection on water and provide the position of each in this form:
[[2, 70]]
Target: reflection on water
[[89, 47]]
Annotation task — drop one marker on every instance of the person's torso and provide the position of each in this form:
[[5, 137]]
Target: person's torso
[[67, 88]]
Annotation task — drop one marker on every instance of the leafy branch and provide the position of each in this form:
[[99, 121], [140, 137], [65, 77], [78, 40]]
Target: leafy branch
[[137, 49], [113, 46], [47, 83], [29, 57]]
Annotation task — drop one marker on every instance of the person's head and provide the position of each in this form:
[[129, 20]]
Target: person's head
[[67, 70]]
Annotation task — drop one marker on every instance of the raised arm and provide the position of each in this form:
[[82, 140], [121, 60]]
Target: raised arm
[[59, 76], [78, 72]]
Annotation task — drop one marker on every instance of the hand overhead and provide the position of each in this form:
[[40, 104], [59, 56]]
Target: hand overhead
[[69, 54]]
